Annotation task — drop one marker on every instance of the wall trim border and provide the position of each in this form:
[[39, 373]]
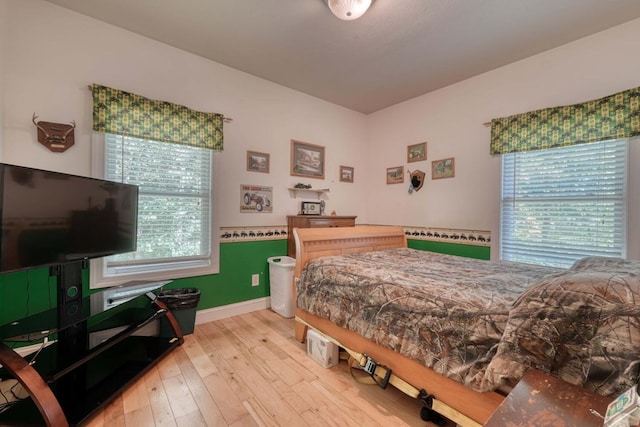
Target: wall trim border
[[449, 235], [229, 310], [253, 233]]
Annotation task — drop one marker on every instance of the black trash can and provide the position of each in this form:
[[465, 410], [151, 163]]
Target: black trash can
[[182, 303]]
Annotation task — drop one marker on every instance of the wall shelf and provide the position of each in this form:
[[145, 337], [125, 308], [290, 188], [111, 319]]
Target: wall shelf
[[317, 192]]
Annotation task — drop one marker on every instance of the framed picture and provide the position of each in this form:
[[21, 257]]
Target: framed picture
[[307, 160], [417, 152], [256, 199], [445, 168], [395, 175], [346, 174], [257, 162]]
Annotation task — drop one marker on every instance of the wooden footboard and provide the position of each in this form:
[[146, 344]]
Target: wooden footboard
[[315, 242]]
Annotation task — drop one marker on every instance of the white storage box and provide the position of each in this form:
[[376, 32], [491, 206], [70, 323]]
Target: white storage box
[[320, 349], [281, 285]]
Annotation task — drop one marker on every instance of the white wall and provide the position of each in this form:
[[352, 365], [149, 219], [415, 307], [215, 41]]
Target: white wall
[[451, 121], [53, 55], [4, 19]]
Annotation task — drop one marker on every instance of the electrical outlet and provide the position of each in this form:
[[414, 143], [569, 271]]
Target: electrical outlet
[[255, 280]]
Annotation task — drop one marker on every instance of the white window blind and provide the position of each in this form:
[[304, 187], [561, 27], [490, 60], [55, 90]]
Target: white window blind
[[174, 206], [562, 204]]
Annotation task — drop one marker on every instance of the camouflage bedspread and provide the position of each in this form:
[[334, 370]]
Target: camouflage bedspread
[[482, 323]]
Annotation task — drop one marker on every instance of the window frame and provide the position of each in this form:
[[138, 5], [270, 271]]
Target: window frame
[[100, 278], [625, 198]]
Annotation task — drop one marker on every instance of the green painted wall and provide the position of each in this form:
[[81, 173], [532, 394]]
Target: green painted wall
[[238, 261], [28, 292], [25, 293], [469, 251], [32, 291]]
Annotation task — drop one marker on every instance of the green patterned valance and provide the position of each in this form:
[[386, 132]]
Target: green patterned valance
[[124, 113], [614, 117]]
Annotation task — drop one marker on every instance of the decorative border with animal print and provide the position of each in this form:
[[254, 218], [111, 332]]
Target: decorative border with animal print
[[247, 234], [279, 232], [459, 236]]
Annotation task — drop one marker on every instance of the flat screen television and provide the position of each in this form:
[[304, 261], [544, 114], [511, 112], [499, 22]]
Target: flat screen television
[[51, 218]]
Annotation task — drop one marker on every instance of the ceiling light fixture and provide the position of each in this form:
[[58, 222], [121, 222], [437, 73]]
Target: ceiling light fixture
[[348, 10]]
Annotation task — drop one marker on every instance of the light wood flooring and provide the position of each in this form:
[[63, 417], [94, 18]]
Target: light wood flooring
[[248, 370]]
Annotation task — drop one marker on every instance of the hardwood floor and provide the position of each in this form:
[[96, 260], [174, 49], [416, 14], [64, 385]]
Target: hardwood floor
[[249, 371]]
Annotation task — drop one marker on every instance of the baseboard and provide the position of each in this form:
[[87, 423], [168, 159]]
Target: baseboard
[[217, 313]]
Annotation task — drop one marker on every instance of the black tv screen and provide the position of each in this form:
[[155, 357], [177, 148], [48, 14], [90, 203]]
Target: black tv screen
[[51, 218]]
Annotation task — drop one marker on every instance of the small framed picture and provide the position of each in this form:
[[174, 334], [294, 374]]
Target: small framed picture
[[445, 168], [256, 198], [346, 174], [307, 160], [395, 175], [417, 152], [257, 162]]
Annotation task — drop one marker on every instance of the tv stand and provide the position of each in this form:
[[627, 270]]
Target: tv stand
[[76, 375], [69, 290]]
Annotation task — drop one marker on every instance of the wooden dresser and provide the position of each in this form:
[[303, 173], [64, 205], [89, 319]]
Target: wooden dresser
[[314, 221]]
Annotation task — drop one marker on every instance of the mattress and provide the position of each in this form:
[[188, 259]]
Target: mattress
[[484, 323], [446, 312]]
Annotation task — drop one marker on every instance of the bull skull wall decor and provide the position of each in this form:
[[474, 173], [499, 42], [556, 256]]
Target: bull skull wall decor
[[57, 137]]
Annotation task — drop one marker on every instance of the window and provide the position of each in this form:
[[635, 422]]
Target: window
[[562, 204], [175, 236]]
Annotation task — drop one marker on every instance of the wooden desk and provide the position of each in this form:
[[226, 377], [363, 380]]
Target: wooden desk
[[540, 400]]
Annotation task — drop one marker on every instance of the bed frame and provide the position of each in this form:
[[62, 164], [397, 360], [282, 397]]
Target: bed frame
[[475, 407]]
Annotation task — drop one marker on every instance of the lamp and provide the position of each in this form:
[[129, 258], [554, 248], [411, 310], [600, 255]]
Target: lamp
[[348, 10]]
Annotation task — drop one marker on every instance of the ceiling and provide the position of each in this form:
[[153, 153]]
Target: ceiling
[[398, 50]]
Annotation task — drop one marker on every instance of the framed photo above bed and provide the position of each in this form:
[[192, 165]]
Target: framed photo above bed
[[417, 152], [445, 168], [346, 174], [307, 160], [395, 175]]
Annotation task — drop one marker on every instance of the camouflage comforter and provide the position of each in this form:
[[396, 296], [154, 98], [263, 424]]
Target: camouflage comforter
[[483, 323]]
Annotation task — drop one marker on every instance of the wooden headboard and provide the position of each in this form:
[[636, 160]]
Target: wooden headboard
[[315, 242]]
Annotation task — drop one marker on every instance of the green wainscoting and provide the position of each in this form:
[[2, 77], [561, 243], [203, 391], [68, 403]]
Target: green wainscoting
[[24, 293], [28, 292], [469, 251], [238, 261]]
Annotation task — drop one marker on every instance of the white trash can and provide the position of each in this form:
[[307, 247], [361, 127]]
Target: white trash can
[[281, 284]]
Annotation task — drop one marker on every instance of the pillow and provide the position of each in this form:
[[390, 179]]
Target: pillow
[[581, 325], [606, 264]]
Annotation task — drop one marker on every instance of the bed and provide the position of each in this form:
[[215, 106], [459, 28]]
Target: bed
[[580, 324]]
